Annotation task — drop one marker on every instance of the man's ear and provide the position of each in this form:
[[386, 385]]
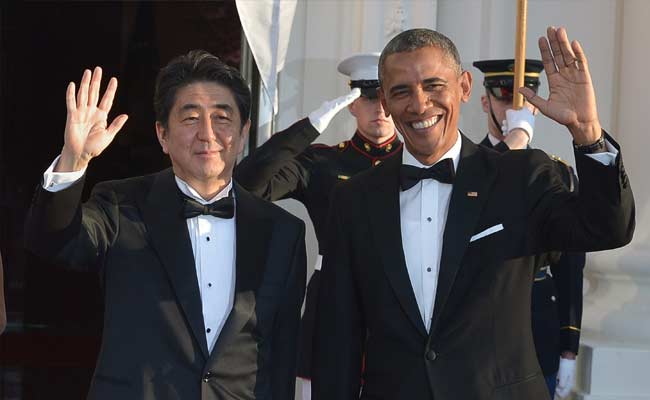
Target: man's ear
[[352, 107], [244, 136], [484, 104], [466, 86], [382, 99], [161, 133]]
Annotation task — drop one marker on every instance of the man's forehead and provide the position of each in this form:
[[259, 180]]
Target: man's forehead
[[429, 55], [421, 64], [204, 94]]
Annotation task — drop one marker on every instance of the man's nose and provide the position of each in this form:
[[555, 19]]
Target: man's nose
[[419, 102], [206, 131]]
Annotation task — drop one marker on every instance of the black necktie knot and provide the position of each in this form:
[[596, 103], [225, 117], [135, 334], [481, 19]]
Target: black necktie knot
[[442, 171], [222, 208]]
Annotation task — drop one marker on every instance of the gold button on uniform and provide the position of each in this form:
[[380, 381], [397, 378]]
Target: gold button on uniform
[[377, 162]]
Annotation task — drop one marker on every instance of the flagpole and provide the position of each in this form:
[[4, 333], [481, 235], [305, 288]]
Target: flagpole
[[520, 53]]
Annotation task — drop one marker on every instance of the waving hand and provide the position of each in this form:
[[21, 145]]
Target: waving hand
[[571, 100], [87, 132]]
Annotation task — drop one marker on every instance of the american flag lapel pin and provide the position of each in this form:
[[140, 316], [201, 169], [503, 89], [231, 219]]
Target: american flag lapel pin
[[472, 194]]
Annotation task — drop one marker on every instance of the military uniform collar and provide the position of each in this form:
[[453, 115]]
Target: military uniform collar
[[493, 140], [366, 147]]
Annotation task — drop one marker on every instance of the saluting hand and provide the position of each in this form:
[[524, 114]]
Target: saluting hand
[[87, 132], [571, 100]]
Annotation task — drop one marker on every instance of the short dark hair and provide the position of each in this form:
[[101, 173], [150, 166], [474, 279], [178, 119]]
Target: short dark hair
[[198, 66], [414, 39]]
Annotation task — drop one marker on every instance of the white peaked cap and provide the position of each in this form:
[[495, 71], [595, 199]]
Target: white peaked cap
[[359, 67]]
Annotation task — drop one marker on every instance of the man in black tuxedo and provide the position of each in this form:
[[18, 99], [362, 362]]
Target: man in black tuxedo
[[203, 282], [430, 262]]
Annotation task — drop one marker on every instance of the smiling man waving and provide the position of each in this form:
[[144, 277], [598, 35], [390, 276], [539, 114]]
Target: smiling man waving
[[202, 281], [431, 256]]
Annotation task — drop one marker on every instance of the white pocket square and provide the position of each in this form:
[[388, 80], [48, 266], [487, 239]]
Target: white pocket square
[[488, 231]]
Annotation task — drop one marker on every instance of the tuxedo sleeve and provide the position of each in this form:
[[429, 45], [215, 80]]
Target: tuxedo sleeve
[[600, 216], [287, 323], [58, 226], [340, 329], [279, 169]]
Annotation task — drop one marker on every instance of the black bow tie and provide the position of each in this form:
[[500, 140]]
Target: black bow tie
[[222, 208], [442, 171]]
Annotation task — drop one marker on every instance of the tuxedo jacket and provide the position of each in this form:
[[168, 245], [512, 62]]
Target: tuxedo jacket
[[556, 301], [480, 344], [289, 166], [133, 233]]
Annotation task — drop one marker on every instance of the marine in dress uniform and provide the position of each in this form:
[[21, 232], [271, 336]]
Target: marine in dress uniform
[[289, 166], [557, 290]]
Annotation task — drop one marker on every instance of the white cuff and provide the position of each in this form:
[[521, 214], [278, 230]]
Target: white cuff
[[607, 158], [57, 181]]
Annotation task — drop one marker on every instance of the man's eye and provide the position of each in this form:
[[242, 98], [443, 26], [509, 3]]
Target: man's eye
[[190, 119], [435, 86]]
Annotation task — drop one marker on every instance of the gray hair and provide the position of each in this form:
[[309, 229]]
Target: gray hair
[[414, 39]]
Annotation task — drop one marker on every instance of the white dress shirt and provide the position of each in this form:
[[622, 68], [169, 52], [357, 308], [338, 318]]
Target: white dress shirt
[[213, 246], [423, 214]]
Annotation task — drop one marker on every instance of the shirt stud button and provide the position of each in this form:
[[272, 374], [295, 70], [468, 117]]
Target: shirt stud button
[[208, 330], [207, 238], [429, 219]]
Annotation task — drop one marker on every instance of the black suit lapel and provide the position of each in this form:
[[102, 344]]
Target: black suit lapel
[[474, 178], [253, 235], [384, 201], [167, 229]]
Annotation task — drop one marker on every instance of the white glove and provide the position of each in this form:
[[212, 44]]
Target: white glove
[[566, 377], [519, 119], [322, 116], [306, 388]]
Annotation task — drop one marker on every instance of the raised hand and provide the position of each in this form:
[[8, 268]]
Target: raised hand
[[571, 100], [87, 132]]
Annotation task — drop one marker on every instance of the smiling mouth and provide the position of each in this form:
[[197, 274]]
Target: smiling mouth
[[427, 123], [207, 153]]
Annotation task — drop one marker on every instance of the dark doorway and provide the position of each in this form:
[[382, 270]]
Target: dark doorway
[[55, 316]]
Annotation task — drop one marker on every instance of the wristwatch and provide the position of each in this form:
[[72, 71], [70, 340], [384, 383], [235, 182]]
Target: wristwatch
[[598, 146]]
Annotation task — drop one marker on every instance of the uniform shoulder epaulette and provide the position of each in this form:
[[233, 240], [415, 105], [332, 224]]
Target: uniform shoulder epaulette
[[343, 145], [337, 147], [558, 159]]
